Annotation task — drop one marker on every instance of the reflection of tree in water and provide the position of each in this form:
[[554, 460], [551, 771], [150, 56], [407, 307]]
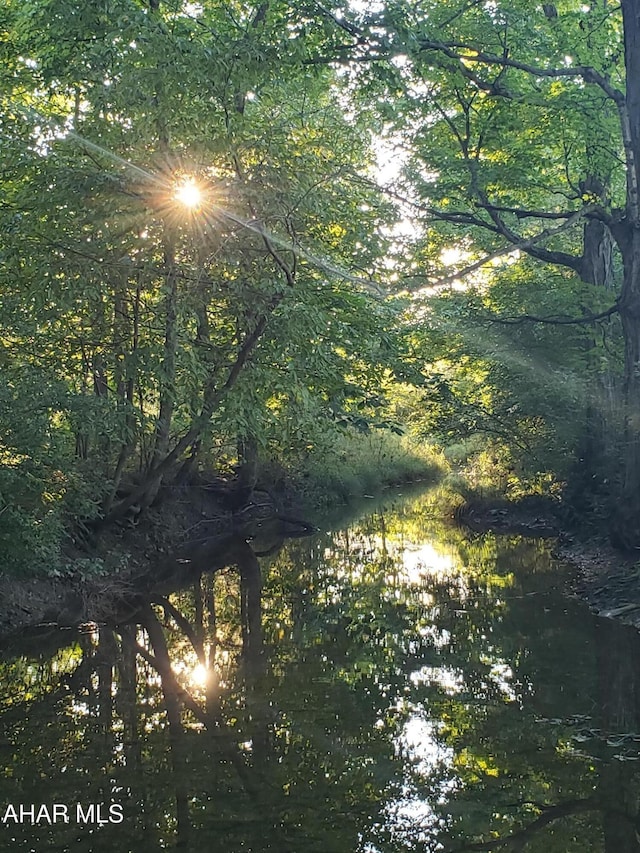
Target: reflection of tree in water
[[487, 664], [619, 688], [411, 695]]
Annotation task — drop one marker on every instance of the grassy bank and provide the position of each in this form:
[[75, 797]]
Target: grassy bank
[[358, 464]]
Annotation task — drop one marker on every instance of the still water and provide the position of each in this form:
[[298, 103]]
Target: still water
[[396, 685]]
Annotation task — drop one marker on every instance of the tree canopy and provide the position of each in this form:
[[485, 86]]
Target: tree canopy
[[151, 329], [421, 216]]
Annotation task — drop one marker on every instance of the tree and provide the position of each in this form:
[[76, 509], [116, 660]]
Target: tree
[[525, 133], [171, 331]]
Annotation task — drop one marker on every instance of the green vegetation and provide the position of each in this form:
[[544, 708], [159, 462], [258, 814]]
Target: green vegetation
[[143, 326], [355, 464], [277, 236]]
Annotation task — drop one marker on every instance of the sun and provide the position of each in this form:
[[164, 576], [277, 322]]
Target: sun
[[188, 193], [200, 676]]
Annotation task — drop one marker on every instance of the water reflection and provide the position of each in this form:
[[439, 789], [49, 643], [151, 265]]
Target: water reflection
[[393, 685]]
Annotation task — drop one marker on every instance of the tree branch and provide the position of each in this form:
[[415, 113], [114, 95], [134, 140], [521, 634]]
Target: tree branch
[[555, 321], [499, 227], [463, 54], [343, 24], [549, 815], [523, 213], [471, 54], [529, 246]]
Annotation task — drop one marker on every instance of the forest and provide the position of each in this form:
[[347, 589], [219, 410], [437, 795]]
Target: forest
[[320, 426], [318, 247]]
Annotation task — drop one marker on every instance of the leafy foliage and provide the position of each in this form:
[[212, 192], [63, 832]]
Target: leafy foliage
[[161, 330]]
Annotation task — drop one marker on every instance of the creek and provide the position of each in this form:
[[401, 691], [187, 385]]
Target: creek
[[392, 684]]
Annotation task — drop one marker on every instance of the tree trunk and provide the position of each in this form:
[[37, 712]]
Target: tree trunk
[[247, 474], [588, 488], [167, 382], [626, 517], [168, 374], [626, 520], [597, 258], [125, 341]]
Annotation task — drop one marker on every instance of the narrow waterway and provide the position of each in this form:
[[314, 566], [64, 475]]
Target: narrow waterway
[[395, 685]]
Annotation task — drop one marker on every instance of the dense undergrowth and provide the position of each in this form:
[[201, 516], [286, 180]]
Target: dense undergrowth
[[357, 464], [344, 467]]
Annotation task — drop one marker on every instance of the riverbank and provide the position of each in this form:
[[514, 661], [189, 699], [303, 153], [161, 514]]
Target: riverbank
[[194, 528], [608, 580], [200, 521]]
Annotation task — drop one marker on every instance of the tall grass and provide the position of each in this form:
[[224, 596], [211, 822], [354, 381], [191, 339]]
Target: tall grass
[[357, 464]]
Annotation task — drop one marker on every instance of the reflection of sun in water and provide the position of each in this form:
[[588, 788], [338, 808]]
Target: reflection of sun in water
[[188, 193], [425, 560], [430, 779]]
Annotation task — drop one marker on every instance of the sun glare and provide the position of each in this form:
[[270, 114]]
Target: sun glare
[[188, 193], [199, 676]]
